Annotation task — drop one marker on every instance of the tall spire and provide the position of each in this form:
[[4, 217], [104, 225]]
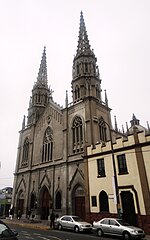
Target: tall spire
[[42, 74], [85, 73], [40, 93], [83, 47]]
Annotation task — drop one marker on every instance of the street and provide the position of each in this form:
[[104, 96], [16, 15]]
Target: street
[[39, 234]]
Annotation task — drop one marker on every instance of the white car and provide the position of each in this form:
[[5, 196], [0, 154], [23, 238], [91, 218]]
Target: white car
[[117, 227], [74, 223]]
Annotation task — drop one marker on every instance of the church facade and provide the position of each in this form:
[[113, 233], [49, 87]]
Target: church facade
[[51, 168], [54, 171]]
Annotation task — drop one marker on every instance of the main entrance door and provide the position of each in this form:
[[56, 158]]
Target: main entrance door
[[78, 202], [45, 204], [129, 214]]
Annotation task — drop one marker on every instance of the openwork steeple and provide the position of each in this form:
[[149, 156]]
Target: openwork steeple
[[85, 73], [40, 93], [83, 47], [42, 74]]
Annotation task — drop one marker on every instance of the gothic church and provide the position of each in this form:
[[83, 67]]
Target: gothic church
[[51, 168]]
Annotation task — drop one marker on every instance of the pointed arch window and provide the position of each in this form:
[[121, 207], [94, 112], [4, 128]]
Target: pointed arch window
[[86, 67], [103, 202], [25, 155], [47, 150], [77, 134], [58, 200], [77, 92], [77, 68], [102, 129]]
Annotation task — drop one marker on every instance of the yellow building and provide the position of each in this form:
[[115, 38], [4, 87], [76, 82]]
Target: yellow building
[[119, 179]]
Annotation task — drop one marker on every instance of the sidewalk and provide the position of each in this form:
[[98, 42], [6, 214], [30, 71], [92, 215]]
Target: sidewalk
[[43, 224]]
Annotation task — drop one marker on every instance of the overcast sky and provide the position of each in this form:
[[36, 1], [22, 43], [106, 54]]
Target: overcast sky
[[119, 33]]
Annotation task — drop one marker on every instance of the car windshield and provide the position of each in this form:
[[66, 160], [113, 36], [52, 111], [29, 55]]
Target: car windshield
[[77, 219], [122, 222]]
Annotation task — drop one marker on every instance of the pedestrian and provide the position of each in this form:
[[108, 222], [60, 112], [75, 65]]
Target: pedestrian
[[52, 220], [19, 214], [11, 213]]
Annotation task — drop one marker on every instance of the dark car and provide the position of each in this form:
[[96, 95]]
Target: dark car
[[74, 223], [6, 233], [117, 227]]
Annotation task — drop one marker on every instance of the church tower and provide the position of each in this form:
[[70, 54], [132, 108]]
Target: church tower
[[40, 93], [86, 80]]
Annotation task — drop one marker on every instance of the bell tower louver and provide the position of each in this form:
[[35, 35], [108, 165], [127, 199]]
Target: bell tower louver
[[85, 73]]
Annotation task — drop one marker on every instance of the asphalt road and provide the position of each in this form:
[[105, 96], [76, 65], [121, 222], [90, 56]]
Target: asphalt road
[[26, 233]]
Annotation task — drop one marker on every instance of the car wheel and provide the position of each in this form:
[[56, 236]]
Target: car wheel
[[99, 232], [60, 227], [126, 236], [76, 229]]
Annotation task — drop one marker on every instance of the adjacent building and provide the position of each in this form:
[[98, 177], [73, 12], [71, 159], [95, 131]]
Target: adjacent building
[[119, 179], [5, 201]]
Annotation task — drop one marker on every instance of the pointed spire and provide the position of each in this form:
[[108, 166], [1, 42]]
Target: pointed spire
[[116, 127], [83, 42], [24, 122], [66, 99], [122, 129], [127, 127], [106, 99], [42, 74]]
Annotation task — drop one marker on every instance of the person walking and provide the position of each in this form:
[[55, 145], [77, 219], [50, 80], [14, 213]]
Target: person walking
[[52, 220]]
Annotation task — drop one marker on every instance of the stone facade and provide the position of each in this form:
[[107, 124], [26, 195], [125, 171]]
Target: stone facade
[[51, 167]]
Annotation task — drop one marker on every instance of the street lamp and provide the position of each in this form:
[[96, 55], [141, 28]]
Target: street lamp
[[115, 174]]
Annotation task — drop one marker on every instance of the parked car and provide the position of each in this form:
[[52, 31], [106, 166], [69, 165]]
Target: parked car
[[117, 227], [74, 223], [6, 233]]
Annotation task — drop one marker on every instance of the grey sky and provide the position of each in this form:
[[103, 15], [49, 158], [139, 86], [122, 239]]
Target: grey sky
[[119, 33]]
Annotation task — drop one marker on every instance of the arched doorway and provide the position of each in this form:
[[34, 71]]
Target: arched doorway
[[46, 203], [20, 204], [128, 208], [78, 201], [103, 202]]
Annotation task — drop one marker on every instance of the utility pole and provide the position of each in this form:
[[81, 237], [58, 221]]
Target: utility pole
[[115, 174]]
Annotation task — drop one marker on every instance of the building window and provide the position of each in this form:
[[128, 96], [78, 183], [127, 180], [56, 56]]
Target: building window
[[47, 150], [77, 135], [86, 67], [25, 155], [101, 167], [103, 202], [122, 165], [94, 201], [102, 129], [77, 68], [77, 92], [58, 200]]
